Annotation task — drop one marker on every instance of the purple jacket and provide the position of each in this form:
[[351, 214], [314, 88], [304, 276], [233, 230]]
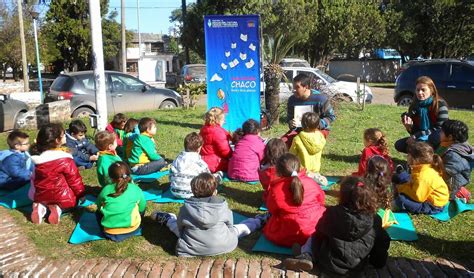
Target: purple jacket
[[245, 160]]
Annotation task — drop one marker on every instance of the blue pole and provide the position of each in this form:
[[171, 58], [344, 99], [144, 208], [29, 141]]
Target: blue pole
[[38, 62]]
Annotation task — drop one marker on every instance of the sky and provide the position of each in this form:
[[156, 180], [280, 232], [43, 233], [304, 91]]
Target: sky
[[154, 14]]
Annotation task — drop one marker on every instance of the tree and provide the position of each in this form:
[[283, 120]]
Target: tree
[[68, 24], [347, 27], [10, 47], [432, 28]]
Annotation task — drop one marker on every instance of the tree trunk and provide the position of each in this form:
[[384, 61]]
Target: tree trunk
[[273, 75]]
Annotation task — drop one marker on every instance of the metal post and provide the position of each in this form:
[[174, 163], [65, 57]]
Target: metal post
[[98, 59], [26, 86], [183, 12], [124, 42], [139, 39], [38, 62]]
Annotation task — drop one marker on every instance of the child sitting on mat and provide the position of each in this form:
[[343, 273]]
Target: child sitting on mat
[[375, 143], [248, 153], [188, 165], [121, 205], [379, 177], [84, 152], [131, 133], [143, 158], [426, 192], [106, 142], [56, 183], [273, 150], [347, 236], [308, 146], [458, 158], [205, 225], [216, 150], [16, 166], [295, 203], [116, 126]]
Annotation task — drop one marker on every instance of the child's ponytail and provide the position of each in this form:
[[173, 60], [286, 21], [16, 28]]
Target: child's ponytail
[[297, 190], [120, 173], [378, 177], [423, 153], [437, 164], [382, 143], [288, 165], [376, 137]]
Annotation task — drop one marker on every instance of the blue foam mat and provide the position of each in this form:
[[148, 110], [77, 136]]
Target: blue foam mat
[[404, 230], [17, 198], [453, 208], [226, 178], [150, 177], [264, 245], [152, 194], [238, 218], [167, 197]]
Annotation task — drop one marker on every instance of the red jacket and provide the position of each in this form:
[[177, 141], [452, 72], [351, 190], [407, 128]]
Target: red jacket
[[290, 223], [266, 174], [110, 128], [57, 179], [367, 153], [216, 150]]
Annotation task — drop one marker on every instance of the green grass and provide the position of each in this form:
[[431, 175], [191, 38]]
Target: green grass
[[387, 85], [448, 240]]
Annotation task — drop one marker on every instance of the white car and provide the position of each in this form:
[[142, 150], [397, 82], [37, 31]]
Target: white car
[[324, 83]]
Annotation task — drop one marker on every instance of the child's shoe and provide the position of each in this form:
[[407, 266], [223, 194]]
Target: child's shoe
[[54, 214], [39, 211], [464, 194], [303, 262], [161, 217], [263, 218]]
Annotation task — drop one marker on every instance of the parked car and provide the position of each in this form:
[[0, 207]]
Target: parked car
[[192, 73], [124, 92], [11, 111], [454, 80], [321, 81], [294, 62]]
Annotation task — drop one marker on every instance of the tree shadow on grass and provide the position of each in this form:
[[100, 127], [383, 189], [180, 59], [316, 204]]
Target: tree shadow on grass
[[180, 124], [344, 158], [242, 196]]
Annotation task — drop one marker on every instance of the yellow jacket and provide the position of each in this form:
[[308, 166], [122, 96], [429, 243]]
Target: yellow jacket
[[426, 185], [308, 146]]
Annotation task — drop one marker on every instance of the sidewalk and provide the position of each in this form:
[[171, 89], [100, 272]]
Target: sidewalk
[[18, 258]]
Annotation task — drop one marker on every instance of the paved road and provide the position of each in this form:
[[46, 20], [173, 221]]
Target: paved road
[[381, 96]]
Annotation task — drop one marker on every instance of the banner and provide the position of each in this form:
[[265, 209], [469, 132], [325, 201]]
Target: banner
[[233, 67]]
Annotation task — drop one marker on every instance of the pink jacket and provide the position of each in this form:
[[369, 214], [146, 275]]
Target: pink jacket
[[245, 160], [216, 150]]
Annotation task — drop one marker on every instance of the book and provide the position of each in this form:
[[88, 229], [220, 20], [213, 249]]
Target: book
[[299, 111]]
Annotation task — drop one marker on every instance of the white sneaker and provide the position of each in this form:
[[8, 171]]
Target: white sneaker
[[38, 213]]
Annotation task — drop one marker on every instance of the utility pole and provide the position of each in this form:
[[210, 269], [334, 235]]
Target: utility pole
[[124, 40], [183, 11], [139, 39], [98, 60], [26, 85]]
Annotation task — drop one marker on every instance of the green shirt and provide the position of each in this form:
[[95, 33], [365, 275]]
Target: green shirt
[[103, 163], [122, 211], [143, 150]]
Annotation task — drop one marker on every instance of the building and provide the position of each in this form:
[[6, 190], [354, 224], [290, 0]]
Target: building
[[155, 60]]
